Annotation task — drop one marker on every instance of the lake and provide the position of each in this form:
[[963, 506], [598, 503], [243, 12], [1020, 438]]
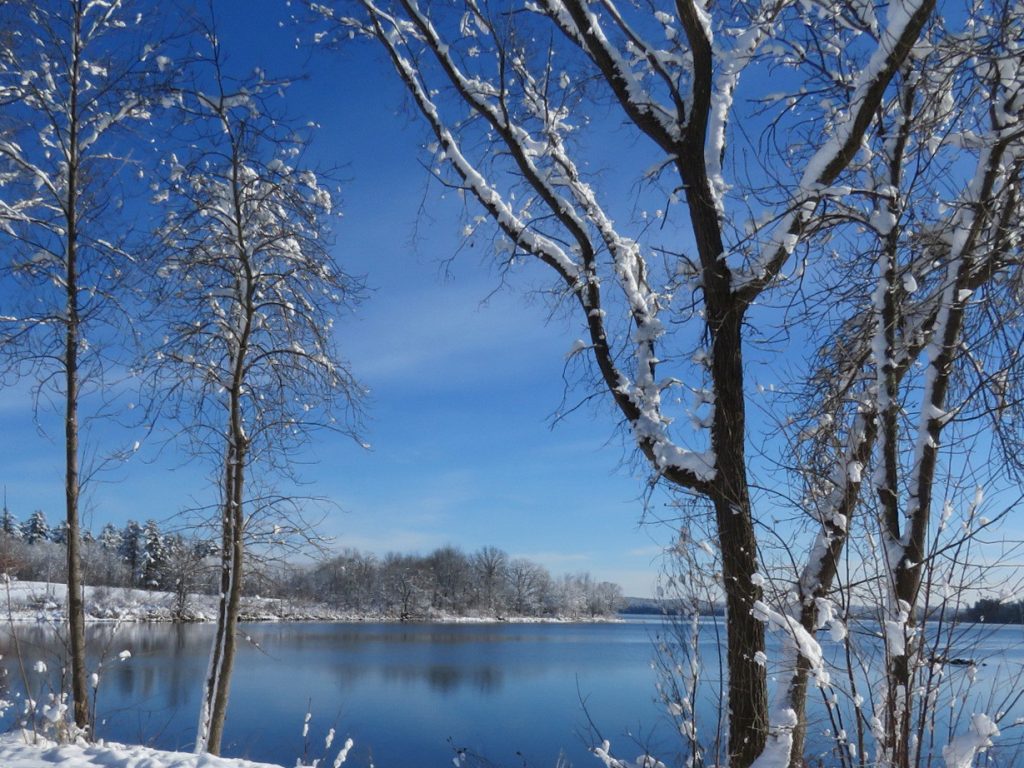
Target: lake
[[408, 694], [509, 692]]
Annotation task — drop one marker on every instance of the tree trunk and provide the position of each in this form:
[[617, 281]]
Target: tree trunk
[[76, 603], [748, 686], [222, 657]]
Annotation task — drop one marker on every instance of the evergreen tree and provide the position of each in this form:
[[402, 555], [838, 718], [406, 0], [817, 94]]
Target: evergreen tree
[[110, 538], [59, 533], [35, 528], [8, 523], [154, 556], [131, 549]]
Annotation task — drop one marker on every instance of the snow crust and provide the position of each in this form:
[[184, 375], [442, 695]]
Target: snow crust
[[16, 751], [960, 752]]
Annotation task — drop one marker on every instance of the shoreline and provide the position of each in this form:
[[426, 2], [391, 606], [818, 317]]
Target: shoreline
[[43, 602]]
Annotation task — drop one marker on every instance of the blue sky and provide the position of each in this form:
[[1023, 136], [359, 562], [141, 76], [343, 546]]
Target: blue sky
[[463, 379]]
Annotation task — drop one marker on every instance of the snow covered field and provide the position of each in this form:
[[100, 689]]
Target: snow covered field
[[42, 601], [17, 752]]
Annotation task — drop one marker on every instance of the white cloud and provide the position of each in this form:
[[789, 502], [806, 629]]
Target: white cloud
[[438, 335], [391, 539]]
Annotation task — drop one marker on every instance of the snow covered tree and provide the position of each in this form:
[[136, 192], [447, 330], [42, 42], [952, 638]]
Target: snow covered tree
[[130, 550], [404, 582], [777, 151], [35, 529], [452, 579], [154, 556], [529, 587], [249, 293], [72, 80], [183, 570], [104, 564], [603, 598], [59, 534], [490, 566], [9, 524], [110, 538], [929, 352]]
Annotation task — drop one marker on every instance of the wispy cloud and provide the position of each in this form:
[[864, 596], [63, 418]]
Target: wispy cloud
[[391, 540], [652, 551], [557, 561], [438, 336]]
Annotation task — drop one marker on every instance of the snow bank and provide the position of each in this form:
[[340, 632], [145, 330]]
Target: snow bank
[[16, 752], [39, 601], [43, 601]]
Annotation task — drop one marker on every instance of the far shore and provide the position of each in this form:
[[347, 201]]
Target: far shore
[[44, 602]]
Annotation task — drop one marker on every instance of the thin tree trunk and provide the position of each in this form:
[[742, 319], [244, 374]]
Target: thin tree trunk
[[76, 603], [232, 602], [222, 656]]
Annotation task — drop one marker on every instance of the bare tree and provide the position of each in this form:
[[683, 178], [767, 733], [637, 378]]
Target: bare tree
[[452, 578], [939, 292], [184, 571], [739, 212], [490, 565], [527, 587], [73, 76], [404, 582], [250, 292], [672, 74]]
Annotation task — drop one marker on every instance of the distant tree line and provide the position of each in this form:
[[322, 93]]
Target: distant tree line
[[996, 612], [446, 581], [450, 581]]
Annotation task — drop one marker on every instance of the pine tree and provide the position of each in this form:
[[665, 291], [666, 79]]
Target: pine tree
[[9, 524], [59, 533], [35, 528], [110, 538], [131, 545], [154, 556]]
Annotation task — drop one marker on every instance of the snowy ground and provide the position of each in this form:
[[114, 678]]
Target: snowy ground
[[43, 601], [17, 752]]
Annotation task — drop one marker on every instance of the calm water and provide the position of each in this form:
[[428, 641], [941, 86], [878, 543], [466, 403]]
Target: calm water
[[401, 691], [407, 694]]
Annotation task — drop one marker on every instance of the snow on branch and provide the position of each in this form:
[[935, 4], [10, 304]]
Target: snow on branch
[[970, 218], [570, 201], [961, 751], [516, 228], [584, 27], [730, 68], [905, 21], [795, 636]]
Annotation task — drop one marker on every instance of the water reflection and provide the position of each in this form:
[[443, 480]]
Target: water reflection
[[168, 660], [447, 678], [401, 690]]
